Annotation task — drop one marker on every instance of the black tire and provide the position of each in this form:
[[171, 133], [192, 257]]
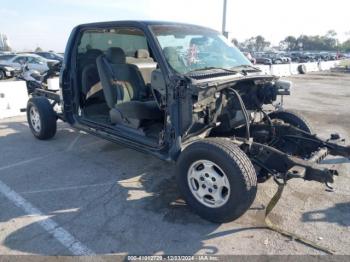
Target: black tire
[[239, 171], [2, 75], [302, 69], [293, 118], [47, 118], [289, 117]]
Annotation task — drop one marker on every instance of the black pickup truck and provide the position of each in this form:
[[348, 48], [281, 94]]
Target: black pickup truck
[[186, 95]]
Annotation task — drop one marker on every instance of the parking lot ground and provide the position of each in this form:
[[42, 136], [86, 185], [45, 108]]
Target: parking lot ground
[[77, 194]]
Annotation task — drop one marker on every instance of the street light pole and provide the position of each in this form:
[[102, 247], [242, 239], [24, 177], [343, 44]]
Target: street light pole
[[224, 32]]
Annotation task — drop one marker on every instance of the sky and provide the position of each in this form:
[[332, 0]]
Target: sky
[[47, 23]]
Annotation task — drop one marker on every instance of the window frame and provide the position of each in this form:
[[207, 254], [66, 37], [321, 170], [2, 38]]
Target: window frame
[[69, 80], [111, 45]]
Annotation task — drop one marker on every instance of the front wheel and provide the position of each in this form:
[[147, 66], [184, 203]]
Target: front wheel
[[293, 118], [288, 117], [217, 179], [2, 75], [41, 118]]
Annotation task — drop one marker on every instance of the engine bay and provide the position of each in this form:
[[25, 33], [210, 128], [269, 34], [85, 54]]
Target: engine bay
[[230, 106]]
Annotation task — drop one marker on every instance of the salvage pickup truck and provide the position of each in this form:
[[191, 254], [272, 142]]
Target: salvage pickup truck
[[185, 94]]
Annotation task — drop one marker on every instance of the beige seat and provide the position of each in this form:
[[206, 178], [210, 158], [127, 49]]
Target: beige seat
[[124, 90], [144, 62]]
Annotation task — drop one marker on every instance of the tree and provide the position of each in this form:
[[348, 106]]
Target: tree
[[331, 34], [289, 43], [345, 46], [327, 42], [261, 43], [330, 40], [38, 49], [256, 44]]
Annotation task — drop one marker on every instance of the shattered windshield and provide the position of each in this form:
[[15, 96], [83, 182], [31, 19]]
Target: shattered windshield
[[191, 48]]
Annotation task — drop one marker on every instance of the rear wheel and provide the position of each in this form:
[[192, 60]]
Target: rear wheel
[[41, 118], [217, 179]]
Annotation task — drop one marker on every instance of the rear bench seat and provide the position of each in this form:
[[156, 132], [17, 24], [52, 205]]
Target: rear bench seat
[[144, 62]]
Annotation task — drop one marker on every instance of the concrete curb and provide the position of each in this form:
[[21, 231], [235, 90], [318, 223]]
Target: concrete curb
[[13, 98]]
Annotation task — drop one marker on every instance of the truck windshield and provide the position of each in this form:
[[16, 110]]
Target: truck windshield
[[192, 48]]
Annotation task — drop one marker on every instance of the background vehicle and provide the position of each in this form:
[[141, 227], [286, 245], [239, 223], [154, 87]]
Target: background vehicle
[[7, 72], [263, 60], [286, 58], [184, 94], [34, 79], [277, 58], [33, 61], [333, 56], [51, 56], [6, 53], [6, 57], [260, 59], [301, 57]]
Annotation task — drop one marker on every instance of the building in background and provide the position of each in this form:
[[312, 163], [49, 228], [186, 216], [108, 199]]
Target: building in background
[[4, 43]]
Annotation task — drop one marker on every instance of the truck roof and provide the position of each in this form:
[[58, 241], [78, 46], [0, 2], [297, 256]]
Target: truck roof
[[142, 23]]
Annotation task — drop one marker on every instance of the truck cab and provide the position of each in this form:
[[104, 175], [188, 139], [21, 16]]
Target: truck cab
[[150, 63]]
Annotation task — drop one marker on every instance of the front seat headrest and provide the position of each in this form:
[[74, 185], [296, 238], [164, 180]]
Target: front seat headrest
[[142, 53], [116, 55]]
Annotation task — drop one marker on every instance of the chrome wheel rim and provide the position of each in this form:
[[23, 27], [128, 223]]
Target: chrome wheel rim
[[208, 183], [35, 119]]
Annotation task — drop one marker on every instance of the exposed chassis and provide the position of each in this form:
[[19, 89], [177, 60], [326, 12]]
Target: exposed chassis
[[293, 153]]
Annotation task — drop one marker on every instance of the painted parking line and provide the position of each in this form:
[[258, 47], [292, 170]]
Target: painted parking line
[[67, 188], [69, 148], [59, 233], [23, 162], [73, 143]]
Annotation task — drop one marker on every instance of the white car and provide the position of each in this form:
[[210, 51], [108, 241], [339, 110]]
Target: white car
[[33, 61]]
